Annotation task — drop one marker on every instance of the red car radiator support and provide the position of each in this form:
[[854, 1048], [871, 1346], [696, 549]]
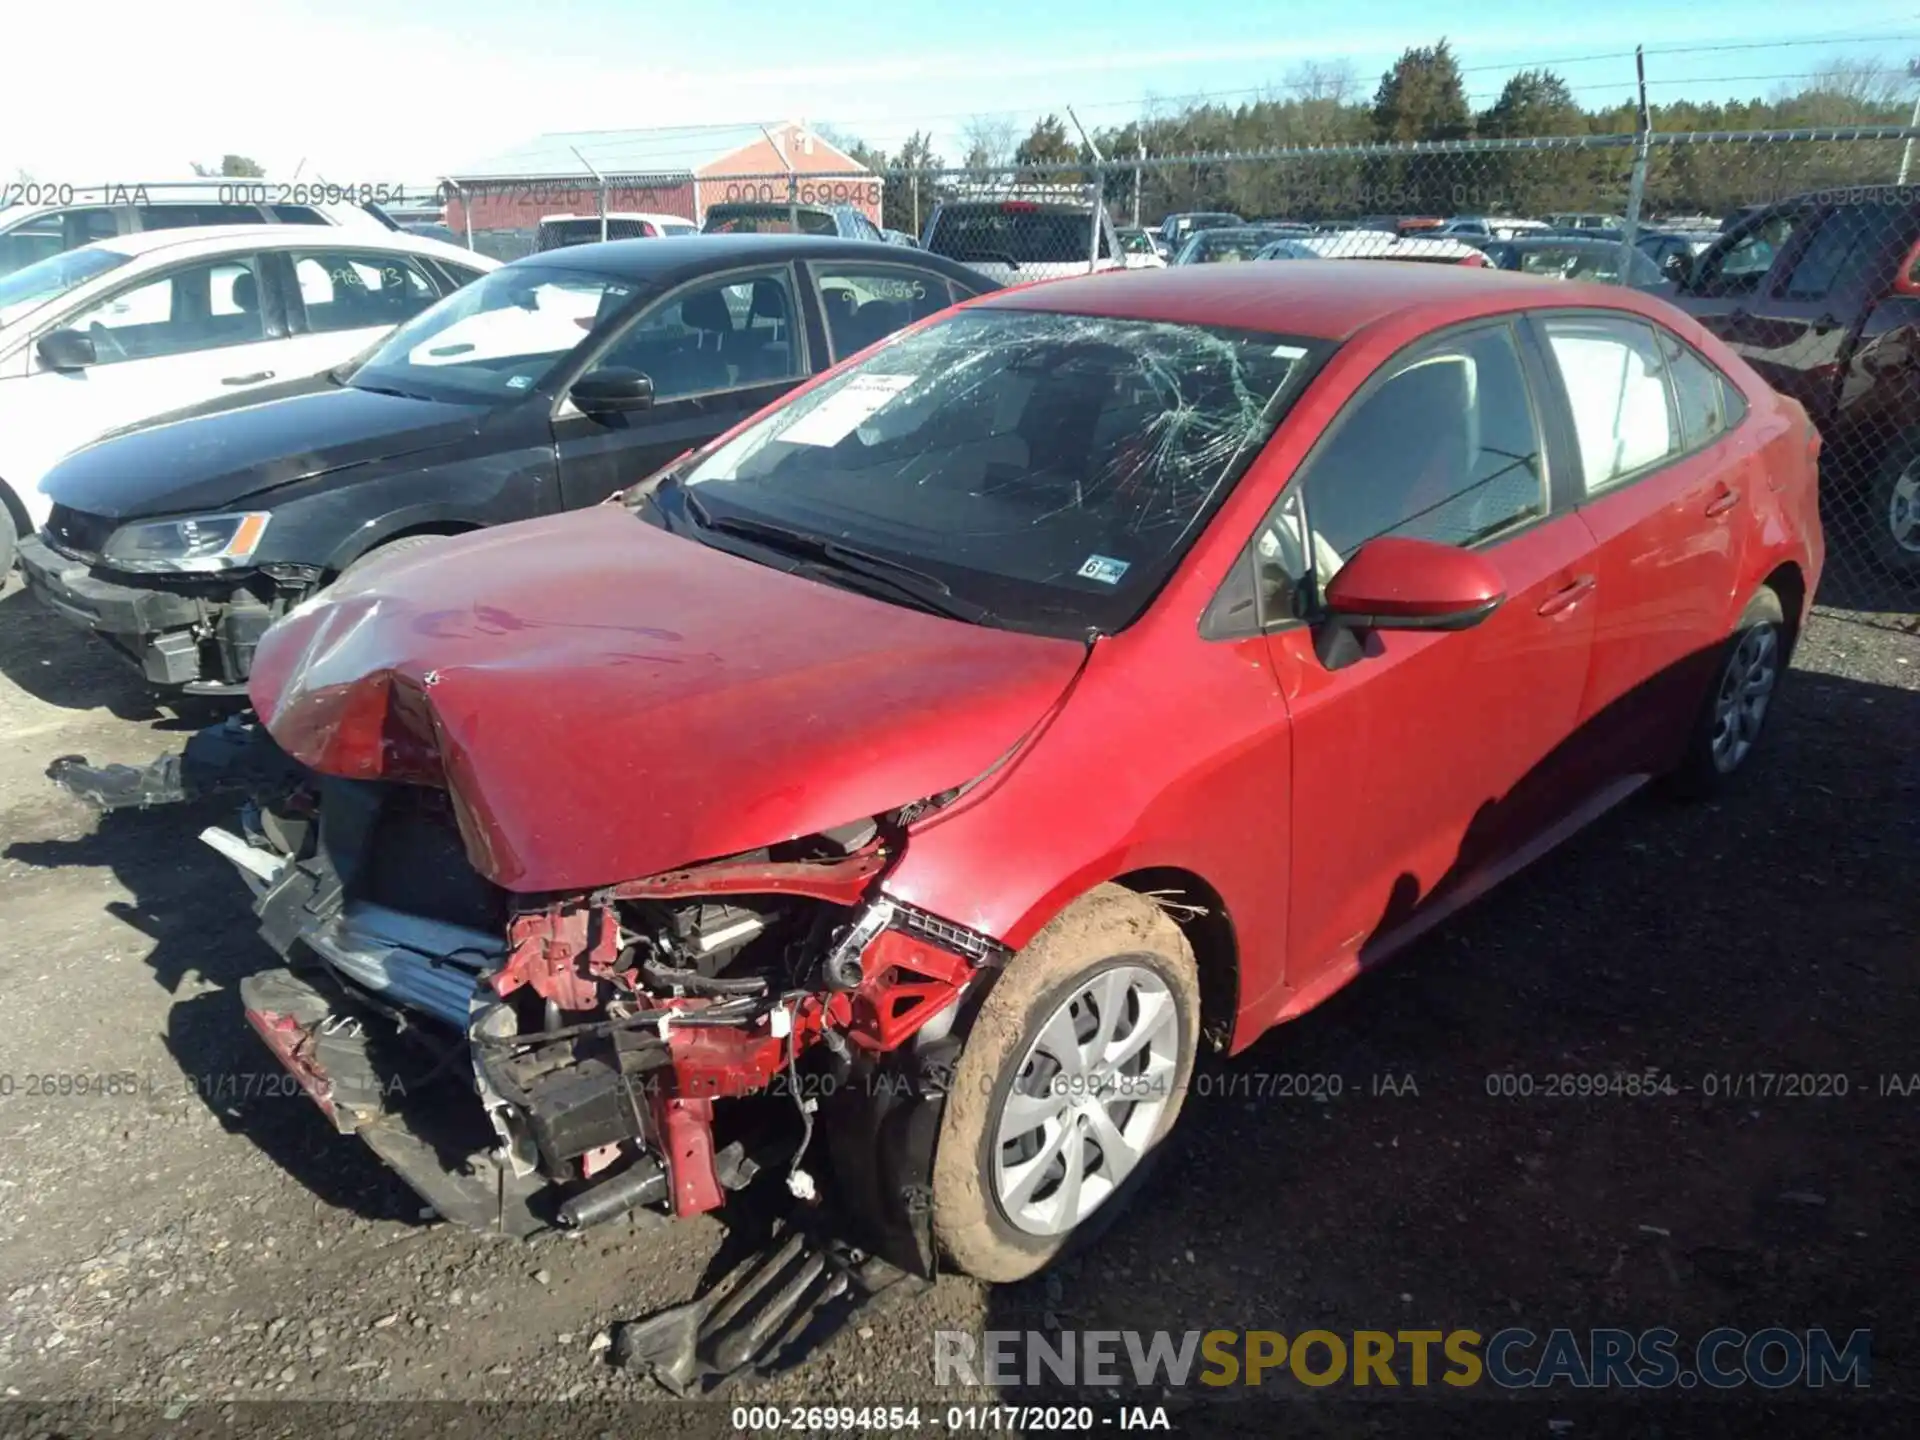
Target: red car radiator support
[[567, 952]]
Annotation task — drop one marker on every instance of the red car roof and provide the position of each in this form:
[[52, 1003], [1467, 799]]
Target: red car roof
[[1327, 300]]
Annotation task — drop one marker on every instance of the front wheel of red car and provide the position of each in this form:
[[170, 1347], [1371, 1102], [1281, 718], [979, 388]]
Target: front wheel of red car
[[1071, 1078], [1739, 700]]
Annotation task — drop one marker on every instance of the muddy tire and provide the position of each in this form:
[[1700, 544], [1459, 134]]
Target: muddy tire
[[1738, 700], [1058, 1111]]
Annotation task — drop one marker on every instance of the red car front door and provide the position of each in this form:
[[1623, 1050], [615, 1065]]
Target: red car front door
[[1433, 757]]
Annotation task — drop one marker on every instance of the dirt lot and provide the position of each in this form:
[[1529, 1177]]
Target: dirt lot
[[198, 1240]]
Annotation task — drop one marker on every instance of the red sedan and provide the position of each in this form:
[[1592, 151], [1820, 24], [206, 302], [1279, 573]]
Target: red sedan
[[893, 795]]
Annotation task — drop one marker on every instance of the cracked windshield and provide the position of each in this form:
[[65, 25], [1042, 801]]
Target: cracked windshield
[[1046, 467]]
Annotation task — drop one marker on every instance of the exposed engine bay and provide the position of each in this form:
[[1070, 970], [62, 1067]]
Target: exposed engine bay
[[564, 1060]]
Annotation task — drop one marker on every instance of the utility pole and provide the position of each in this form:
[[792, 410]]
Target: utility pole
[[1138, 170], [1637, 180]]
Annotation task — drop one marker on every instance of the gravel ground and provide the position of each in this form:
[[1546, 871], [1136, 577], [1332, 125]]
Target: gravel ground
[[202, 1239]]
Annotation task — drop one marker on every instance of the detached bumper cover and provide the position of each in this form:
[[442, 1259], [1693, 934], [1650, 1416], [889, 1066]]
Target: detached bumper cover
[[437, 1145], [70, 587], [158, 630]]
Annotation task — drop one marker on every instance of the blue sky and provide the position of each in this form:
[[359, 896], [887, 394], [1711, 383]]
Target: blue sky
[[371, 90]]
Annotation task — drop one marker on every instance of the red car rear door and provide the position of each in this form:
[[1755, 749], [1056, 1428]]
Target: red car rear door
[[1667, 486], [1433, 755]]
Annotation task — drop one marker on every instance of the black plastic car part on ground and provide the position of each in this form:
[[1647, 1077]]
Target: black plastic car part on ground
[[572, 376]]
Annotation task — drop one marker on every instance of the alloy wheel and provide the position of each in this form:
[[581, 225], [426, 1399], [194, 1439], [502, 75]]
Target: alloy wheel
[[1903, 511], [1746, 689], [1086, 1099]]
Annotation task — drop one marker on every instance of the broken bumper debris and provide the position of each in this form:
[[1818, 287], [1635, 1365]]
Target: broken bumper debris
[[566, 1060]]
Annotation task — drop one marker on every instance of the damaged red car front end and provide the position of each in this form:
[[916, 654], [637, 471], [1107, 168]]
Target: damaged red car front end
[[582, 893]]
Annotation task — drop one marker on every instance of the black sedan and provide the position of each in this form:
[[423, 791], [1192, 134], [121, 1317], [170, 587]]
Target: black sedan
[[548, 384]]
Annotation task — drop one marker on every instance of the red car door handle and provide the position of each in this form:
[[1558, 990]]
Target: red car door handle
[[1567, 597], [1723, 502]]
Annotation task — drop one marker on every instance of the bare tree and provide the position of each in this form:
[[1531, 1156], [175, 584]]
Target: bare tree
[[990, 141], [1333, 81], [1867, 84]]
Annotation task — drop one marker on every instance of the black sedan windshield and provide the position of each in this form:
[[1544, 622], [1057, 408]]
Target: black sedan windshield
[[496, 339], [1044, 470]]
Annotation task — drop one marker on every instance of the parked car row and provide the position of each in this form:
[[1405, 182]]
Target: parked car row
[[1821, 293], [118, 331], [933, 726], [545, 385], [77, 216]]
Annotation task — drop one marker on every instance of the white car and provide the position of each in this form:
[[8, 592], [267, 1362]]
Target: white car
[[1491, 227], [1014, 238], [1138, 252], [1374, 245], [556, 231], [117, 332], [38, 220]]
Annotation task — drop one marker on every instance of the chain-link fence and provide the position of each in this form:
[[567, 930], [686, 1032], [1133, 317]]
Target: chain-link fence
[[1800, 249]]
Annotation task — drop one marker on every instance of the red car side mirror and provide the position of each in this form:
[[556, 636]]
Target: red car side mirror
[[1400, 584]]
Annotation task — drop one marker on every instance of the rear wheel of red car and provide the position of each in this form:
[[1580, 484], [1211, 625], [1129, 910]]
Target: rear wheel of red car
[[1072, 1076], [1738, 701]]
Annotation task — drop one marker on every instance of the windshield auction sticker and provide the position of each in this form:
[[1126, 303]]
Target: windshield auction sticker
[[846, 409]]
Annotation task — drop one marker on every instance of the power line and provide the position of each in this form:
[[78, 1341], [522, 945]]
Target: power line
[[1540, 64], [657, 140], [1677, 80]]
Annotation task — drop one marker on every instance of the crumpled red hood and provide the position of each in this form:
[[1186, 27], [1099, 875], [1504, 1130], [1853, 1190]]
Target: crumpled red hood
[[604, 700]]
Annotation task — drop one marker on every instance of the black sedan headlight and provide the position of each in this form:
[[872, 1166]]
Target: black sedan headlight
[[196, 544]]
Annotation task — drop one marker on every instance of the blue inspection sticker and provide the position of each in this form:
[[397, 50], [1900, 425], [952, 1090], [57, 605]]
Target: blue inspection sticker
[[519, 382], [1103, 568]]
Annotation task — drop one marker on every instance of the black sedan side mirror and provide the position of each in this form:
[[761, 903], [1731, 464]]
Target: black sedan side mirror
[[613, 391], [66, 350]]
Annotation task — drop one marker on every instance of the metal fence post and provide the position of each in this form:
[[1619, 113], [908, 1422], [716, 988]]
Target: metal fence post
[[1637, 177], [1906, 150], [600, 182], [1099, 218], [466, 205]]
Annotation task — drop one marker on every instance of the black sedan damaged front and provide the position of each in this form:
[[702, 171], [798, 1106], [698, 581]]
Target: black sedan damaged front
[[178, 598]]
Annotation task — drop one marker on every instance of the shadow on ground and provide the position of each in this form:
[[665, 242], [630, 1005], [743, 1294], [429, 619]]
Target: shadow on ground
[[61, 665], [1423, 1152], [194, 912]]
